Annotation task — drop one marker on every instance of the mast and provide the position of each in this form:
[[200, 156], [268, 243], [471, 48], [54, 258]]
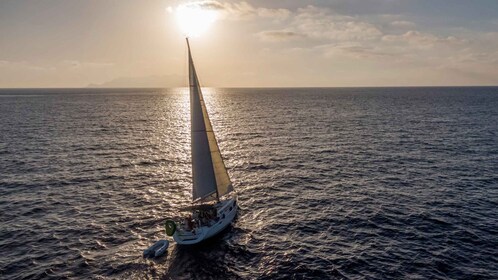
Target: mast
[[209, 175]]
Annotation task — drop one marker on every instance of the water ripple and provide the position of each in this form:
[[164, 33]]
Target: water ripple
[[333, 183]]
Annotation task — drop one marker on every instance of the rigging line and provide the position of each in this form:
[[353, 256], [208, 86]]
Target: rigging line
[[185, 64]]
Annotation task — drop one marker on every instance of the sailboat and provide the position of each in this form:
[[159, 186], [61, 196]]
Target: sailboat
[[214, 203]]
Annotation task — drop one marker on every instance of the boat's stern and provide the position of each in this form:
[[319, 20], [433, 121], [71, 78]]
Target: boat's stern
[[186, 237], [204, 222]]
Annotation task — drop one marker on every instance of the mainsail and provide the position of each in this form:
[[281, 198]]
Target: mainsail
[[209, 175]]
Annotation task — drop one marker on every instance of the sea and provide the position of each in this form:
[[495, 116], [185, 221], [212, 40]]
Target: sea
[[332, 183]]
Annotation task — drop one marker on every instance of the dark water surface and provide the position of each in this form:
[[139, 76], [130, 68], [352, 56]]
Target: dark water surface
[[351, 183]]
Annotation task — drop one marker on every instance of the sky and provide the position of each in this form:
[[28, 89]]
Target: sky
[[286, 43]]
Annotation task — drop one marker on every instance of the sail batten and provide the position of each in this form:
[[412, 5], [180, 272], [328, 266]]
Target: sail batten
[[209, 175]]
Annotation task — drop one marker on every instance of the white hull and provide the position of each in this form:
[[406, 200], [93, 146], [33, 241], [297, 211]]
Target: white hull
[[227, 210]]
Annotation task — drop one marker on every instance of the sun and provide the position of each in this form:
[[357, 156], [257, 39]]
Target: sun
[[194, 20]]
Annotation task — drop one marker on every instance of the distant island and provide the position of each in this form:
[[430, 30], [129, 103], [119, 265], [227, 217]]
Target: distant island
[[155, 81]]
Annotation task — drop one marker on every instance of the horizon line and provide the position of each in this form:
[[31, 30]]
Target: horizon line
[[258, 87]]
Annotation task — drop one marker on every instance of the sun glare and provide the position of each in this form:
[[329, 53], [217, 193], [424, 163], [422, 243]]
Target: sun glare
[[194, 20]]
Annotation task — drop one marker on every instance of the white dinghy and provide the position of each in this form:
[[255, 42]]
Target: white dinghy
[[214, 204], [157, 250]]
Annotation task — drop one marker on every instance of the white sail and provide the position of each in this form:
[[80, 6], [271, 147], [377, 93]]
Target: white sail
[[209, 175]]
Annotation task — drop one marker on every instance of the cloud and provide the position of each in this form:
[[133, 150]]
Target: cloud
[[278, 35], [154, 81], [324, 23], [244, 10], [25, 65], [403, 24], [61, 65], [279, 14], [423, 40], [490, 38], [210, 5], [385, 41], [80, 64], [358, 51], [241, 10]]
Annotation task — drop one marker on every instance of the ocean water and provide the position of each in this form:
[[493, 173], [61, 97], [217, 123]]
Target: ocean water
[[340, 183]]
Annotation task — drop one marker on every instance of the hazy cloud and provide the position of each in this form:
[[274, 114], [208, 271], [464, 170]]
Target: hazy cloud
[[358, 51], [403, 24], [422, 39], [324, 23], [25, 65], [279, 35], [241, 10], [211, 5], [79, 64], [159, 81]]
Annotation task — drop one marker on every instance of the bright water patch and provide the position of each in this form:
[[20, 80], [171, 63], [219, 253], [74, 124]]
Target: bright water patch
[[333, 183]]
